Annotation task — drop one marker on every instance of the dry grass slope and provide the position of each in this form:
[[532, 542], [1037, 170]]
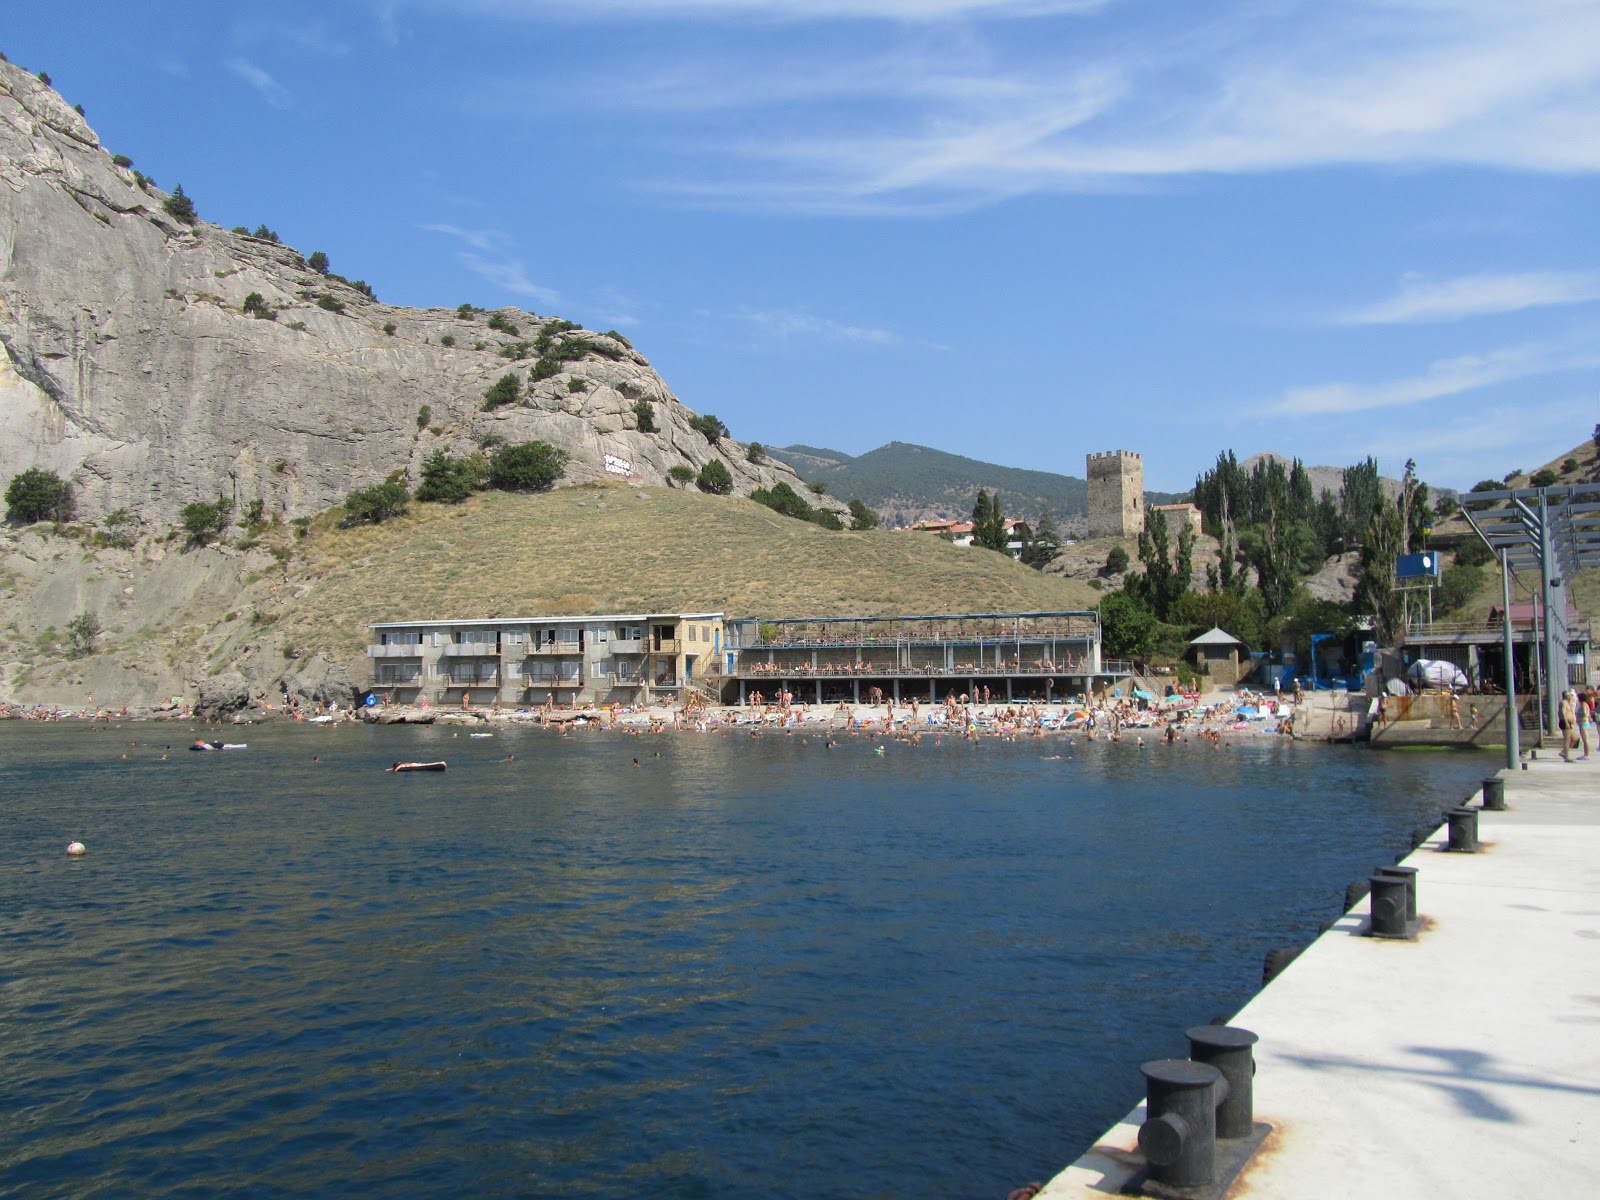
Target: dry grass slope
[[613, 548]]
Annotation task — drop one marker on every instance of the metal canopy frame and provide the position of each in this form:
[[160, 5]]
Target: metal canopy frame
[[1552, 531]]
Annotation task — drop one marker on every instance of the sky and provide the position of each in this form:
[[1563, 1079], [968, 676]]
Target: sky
[[1019, 230]]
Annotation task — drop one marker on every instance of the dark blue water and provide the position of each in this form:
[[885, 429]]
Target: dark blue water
[[743, 968]]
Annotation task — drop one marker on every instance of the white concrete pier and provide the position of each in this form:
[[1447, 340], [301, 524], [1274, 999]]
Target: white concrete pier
[[1463, 1064]]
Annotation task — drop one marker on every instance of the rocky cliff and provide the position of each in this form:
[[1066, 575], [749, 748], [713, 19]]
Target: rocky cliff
[[132, 368]]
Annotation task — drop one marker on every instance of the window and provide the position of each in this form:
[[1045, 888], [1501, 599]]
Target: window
[[694, 633], [516, 637], [571, 636], [401, 637]]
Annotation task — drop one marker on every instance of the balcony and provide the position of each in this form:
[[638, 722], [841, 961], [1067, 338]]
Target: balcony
[[627, 645], [545, 649], [470, 650], [666, 646], [573, 678], [395, 650]]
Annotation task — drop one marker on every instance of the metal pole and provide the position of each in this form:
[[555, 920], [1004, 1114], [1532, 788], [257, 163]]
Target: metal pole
[[1513, 733], [1555, 681]]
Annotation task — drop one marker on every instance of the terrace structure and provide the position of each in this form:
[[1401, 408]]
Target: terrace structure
[[620, 658], [1046, 656]]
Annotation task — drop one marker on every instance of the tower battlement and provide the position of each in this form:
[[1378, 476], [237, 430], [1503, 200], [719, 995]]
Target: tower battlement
[[1116, 493]]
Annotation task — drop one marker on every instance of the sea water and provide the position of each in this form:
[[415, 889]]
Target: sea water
[[742, 967]]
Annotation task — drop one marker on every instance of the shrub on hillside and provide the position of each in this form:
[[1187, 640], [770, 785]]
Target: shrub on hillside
[[376, 504], [180, 208], [318, 262], [827, 518], [644, 415], [505, 390], [256, 305], [121, 160], [331, 303], [526, 467], [38, 495], [1116, 561], [82, 631], [862, 517], [503, 323], [757, 453], [448, 480], [204, 522], [119, 528], [680, 473], [265, 234], [1544, 477], [447, 340], [1473, 553], [709, 427], [715, 478]]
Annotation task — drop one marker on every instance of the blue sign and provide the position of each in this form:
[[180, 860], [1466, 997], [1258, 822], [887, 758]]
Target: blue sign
[[1417, 566]]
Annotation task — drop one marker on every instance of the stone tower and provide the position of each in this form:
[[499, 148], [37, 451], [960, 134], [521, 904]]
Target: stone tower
[[1116, 494]]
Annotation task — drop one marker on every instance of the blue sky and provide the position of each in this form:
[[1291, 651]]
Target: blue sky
[[1020, 230]]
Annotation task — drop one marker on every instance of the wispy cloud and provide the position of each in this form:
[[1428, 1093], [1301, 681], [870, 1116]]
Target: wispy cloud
[[908, 11], [511, 275], [789, 324], [937, 115], [273, 92], [1446, 377], [1421, 300], [487, 240]]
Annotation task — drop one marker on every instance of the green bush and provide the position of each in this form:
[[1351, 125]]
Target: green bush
[[180, 208], [818, 487], [82, 631], [577, 385], [119, 528], [256, 305], [783, 499], [389, 327], [526, 467], [205, 522], [617, 337], [376, 504], [43, 78], [1116, 561], [708, 427], [38, 495], [757, 453], [121, 160], [504, 324], [318, 262], [265, 234], [423, 414], [1473, 553], [715, 478], [1568, 466], [505, 390], [516, 351], [465, 312], [644, 415], [1544, 477], [447, 480], [447, 340], [862, 517], [826, 518], [324, 300], [365, 288], [680, 473]]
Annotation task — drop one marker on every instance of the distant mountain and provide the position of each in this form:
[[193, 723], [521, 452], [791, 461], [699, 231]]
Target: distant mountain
[[906, 483]]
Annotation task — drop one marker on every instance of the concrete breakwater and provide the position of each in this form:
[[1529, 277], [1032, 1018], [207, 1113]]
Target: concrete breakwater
[[1458, 1064]]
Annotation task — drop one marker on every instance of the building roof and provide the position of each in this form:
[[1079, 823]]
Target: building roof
[[570, 619], [1216, 637]]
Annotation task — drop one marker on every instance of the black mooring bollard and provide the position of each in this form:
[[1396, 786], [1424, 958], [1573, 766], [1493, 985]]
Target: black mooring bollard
[[1494, 794], [1179, 1134], [1409, 874], [1228, 1048], [1463, 830], [1389, 907]]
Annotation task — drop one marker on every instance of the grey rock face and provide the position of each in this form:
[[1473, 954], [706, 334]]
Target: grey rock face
[[131, 368]]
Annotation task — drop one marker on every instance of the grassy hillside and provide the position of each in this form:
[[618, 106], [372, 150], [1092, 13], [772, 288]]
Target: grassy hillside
[[611, 548]]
